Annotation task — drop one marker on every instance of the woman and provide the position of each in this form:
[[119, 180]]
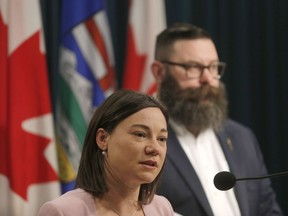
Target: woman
[[121, 162]]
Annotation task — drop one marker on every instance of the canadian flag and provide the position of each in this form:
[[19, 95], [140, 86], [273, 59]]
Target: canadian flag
[[146, 20], [28, 163]]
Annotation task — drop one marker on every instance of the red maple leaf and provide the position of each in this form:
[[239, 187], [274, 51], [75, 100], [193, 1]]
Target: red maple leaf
[[134, 64], [27, 96]]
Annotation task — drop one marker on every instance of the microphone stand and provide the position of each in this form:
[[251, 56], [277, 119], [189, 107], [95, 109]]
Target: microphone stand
[[263, 177]]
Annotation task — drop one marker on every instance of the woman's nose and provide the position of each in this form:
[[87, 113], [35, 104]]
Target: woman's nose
[[152, 149]]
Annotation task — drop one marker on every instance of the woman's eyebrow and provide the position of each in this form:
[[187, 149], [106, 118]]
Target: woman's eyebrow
[[145, 127]]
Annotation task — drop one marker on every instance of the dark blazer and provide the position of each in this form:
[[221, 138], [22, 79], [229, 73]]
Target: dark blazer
[[183, 189]]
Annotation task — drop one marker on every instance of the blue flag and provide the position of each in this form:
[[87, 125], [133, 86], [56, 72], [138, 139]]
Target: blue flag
[[86, 78]]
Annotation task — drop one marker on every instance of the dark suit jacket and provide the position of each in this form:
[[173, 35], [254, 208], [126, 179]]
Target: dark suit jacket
[[182, 187]]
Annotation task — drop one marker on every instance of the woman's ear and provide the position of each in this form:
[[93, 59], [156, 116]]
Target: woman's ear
[[158, 71], [102, 138]]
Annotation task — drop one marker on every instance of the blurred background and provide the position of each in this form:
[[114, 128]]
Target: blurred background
[[251, 36]]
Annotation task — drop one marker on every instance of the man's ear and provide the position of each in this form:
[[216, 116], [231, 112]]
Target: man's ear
[[102, 138], [158, 71]]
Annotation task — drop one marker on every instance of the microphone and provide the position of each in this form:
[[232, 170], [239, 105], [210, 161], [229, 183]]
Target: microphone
[[225, 180]]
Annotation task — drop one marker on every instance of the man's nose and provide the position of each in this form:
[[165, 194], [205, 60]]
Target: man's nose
[[206, 77]]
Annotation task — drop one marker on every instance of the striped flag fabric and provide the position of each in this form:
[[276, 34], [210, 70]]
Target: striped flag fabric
[[28, 162], [86, 78], [146, 19]]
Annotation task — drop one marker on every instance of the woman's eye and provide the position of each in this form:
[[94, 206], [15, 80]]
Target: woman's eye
[[139, 134], [163, 139]]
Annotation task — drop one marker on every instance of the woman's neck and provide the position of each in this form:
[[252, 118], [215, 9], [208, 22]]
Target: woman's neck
[[119, 203], [121, 198]]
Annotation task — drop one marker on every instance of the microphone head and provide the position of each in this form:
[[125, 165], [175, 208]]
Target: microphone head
[[224, 180]]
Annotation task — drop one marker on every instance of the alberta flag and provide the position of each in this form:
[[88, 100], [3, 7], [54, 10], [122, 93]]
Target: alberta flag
[[28, 162], [86, 78], [146, 19]]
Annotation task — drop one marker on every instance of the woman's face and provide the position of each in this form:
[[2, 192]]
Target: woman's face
[[136, 149]]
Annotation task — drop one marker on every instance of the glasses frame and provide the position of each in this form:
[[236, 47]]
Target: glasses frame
[[199, 66]]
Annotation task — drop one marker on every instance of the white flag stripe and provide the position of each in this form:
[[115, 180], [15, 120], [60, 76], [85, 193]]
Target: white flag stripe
[[4, 10], [24, 21], [138, 22], [147, 19], [90, 51], [156, 22], [15, 205], [102, 22]]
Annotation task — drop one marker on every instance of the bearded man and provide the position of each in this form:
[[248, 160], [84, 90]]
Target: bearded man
[[202, 139]]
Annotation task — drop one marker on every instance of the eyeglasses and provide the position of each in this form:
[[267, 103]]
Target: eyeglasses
[[195, 70]]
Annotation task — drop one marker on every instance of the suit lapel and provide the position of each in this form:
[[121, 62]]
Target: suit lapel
[[230, 149], [178, 157]]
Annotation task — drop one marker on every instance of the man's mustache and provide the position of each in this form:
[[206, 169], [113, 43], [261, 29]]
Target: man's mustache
[[198, 94]]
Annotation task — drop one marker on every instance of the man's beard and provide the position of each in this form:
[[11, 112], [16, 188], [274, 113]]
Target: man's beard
[[196, 108]]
